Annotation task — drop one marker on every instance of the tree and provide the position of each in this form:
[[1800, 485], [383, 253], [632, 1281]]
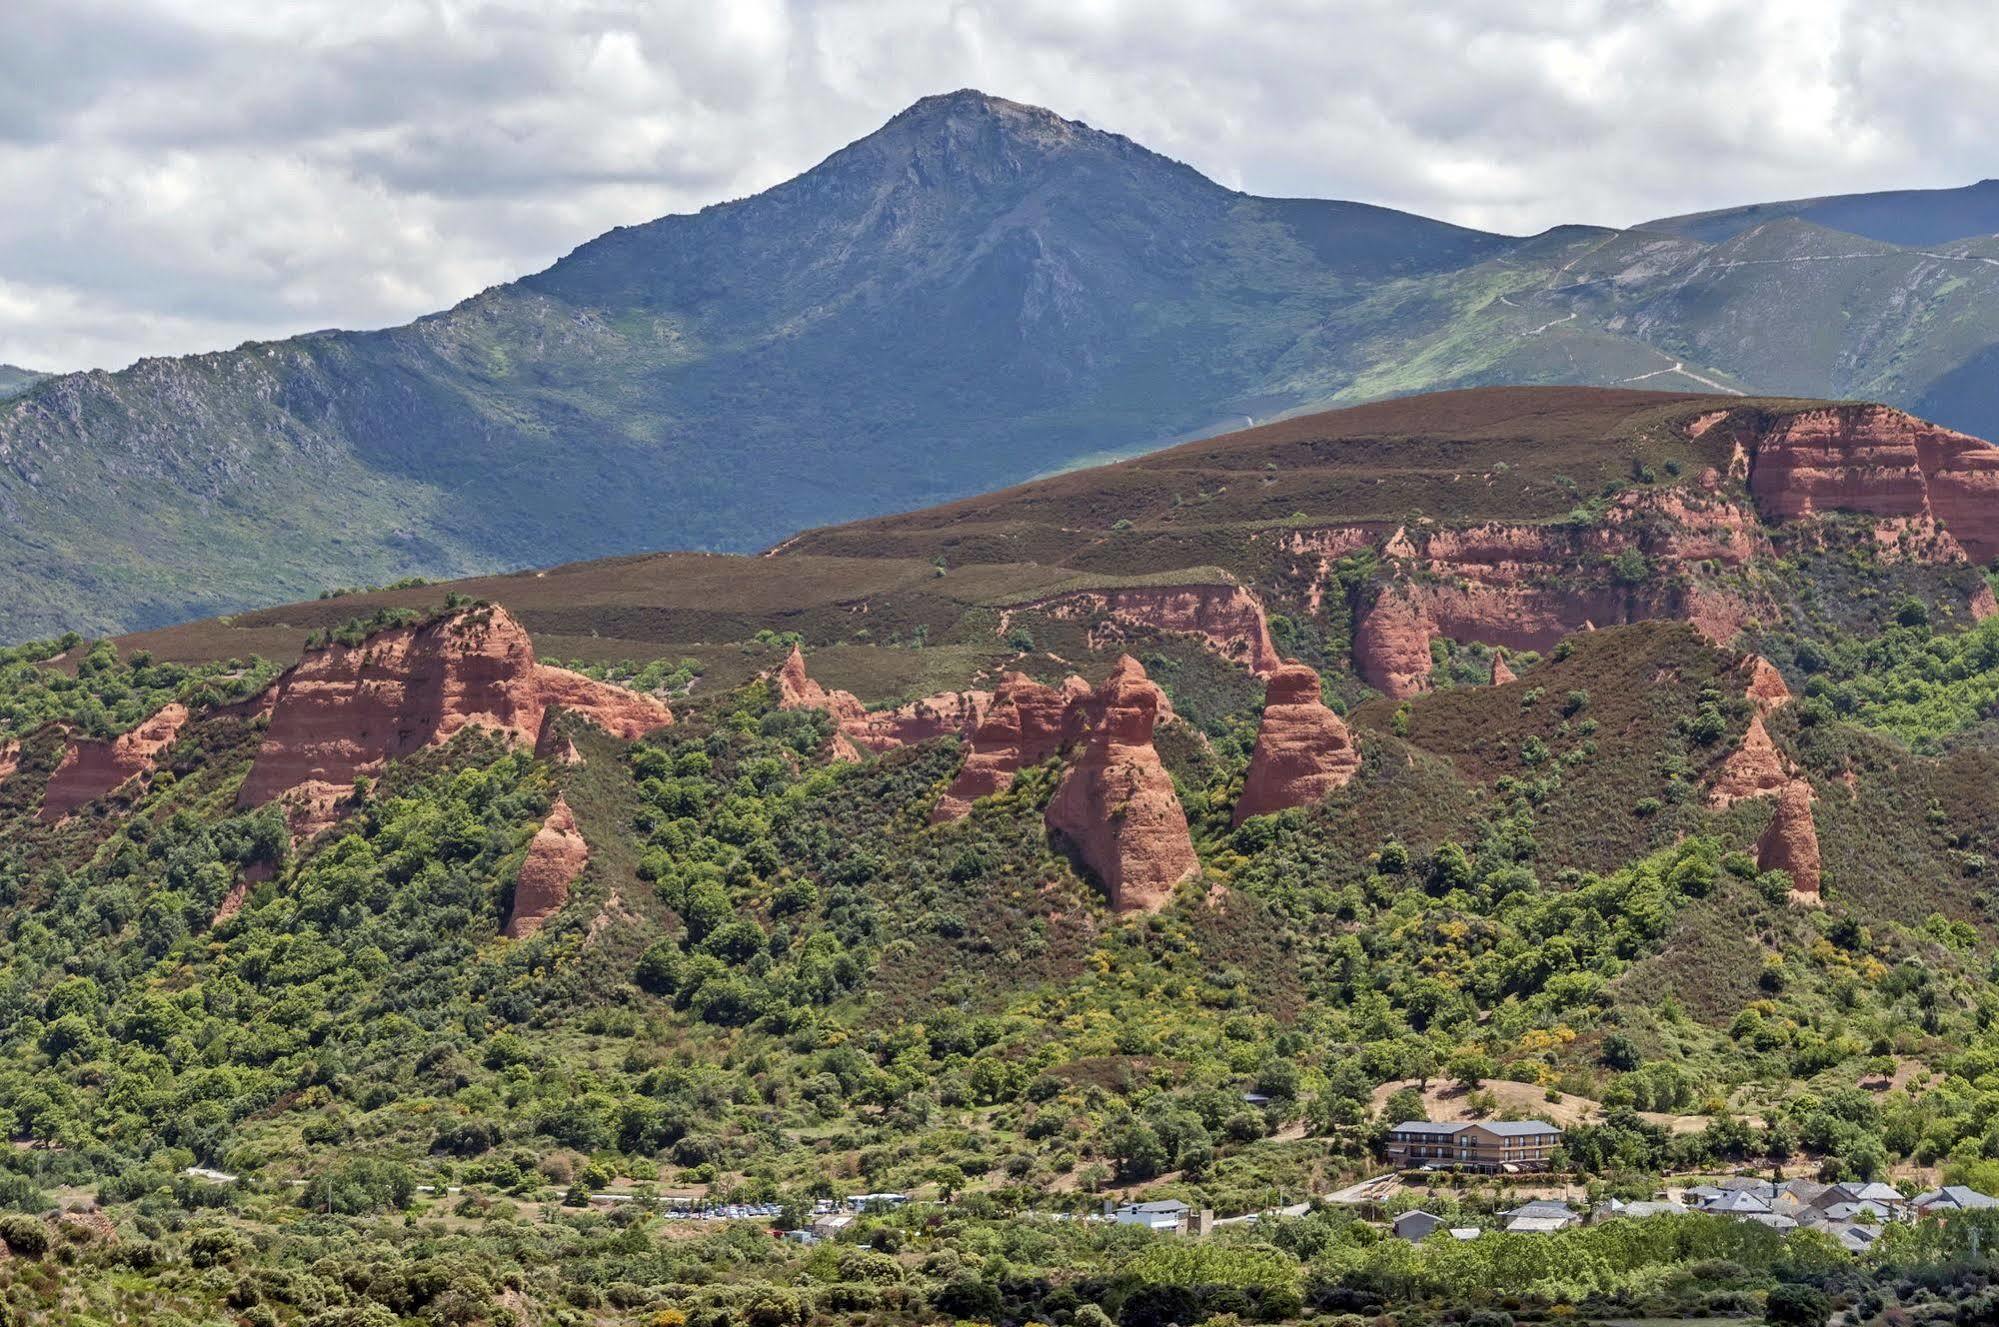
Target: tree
[[1797, 1306]]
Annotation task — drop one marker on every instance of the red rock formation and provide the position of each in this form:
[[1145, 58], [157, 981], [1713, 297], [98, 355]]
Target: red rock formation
[[1765, 687], [1116, 805], [556, 856], [1501, 674], [1228, 618], [346, 710], [90, 768], [1877, 462], [796, 690], [1303, 751], [1983, 602], [948, 713], [1756, 768], [1524, 587], [1023, 726], [1791, 843]]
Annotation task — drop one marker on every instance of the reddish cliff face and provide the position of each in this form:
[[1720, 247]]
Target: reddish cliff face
[[91, 768], [1877, 462], [556, 856], [1791, 843], [1765, 686], [1228, 618], [1524, 587], [1024, 726], [1116, 805], [1756, 768], [1303, 751], [946, 714], [346, 710]]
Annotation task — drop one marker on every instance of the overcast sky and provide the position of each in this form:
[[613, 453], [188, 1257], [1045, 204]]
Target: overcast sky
[[182, 175]]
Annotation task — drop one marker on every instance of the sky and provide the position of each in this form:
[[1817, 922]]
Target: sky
[[184, 175]]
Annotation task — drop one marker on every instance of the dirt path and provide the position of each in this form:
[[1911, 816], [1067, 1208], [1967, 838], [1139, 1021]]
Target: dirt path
[[1445, 1102]]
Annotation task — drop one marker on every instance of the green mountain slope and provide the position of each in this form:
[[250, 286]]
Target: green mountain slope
[[977, 293], [14, 381]]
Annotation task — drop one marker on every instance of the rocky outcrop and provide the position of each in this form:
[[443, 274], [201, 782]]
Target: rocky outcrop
[[797, 690], [1228, 619], [1116, 807], [346, 710], [556, 857], [857, 728], [10, 759], [1025, 725], [92, 767], [1501, 674], [1303, 750], [1791, 843], [1764, 686], [1756, 768], [1875, 461], [1524, 587]]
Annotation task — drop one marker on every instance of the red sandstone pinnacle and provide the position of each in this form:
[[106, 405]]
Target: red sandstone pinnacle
[[556, 856], [1765, 688], [1022, 727], [1791, 843], [1303, 750], [346, 710], [1501, 674], [948, 713], [1116, 805], [10, 759], [1755, 769], [90, 767]]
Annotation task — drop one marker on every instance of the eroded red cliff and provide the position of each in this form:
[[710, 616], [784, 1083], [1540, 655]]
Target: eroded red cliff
[[1025, 725], [346, 710], [1791, 843], [92, 767], [1756, 768], [1875, 461], [1303, 750], [1116, 806], [556, 857]]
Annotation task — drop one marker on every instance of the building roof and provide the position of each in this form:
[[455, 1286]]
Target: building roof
[[1465, 1232], [1755, 1184], [1852, 1238], [1501, 1128], [1538, 1225], [1774, 1220], [1543, 1207], [1739, 1202], [1161, 1206], [1958, 1197], [1848, 1211], [1876, 1192]]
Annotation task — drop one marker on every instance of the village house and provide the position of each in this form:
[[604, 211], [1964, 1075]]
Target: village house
[[1482, 1145]]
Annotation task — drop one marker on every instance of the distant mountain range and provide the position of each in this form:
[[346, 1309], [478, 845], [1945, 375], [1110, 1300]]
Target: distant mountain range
[[977, 293], [14, 381]]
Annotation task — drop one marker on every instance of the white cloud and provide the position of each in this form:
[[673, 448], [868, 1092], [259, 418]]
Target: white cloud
[[183, 174]]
